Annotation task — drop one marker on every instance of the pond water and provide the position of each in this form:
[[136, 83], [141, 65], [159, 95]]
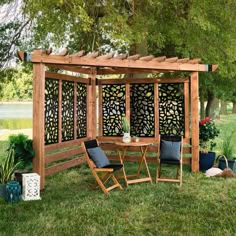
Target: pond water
[[15, 116]]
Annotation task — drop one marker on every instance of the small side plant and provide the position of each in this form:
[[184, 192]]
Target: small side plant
[[23, 150], [125, 125], [8, 166], [228, 145]]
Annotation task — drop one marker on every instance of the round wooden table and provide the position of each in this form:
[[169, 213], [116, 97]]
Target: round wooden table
[[122, 149]]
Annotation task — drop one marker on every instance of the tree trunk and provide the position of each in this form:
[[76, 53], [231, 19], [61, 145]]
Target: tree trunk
[[215, 109], [210, 98], [223, 109], [234, 106], [202, 108]]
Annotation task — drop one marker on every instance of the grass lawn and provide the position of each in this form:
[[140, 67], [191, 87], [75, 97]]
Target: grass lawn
[[202, 206]]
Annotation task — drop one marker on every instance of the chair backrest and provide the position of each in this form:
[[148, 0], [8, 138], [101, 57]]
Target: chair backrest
[[96, 154], [170, 147], [90, 144]]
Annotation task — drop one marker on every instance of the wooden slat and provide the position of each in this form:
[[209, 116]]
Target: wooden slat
[[159, 59], [49, 51], [184, 60], [78, 69], [63, 155], [134, 57], [78, 54], [120, 56], [93, 54], [194, 61], [147, 58], [55, 146], [172, 59], [64, 165], [110, 71], [142, 80], [54, 75], [107, 56]]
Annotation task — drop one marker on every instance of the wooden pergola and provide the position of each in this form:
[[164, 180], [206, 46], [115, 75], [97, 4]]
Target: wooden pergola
[[67, 110]]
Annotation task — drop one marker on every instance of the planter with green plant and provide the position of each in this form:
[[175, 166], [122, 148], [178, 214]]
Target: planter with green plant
[[23, 149], [126, 130], [227, 149], [207, 134], [7, 167], [24, 153]]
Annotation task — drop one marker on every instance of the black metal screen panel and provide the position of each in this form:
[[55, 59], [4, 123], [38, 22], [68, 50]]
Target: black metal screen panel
[[81, 110], [171, 109], [51, 111], [113, 108], [142, 118], [67, 110]]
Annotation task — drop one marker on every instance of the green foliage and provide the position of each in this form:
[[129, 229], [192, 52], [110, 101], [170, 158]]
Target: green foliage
[[7, 166], [227, 146], [23, 149], [15, 85], [207, 133]]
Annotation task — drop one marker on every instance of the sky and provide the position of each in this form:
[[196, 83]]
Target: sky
[[9, 12]]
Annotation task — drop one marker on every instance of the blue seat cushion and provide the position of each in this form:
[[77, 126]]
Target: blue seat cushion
[[170, 150], [98, 156]]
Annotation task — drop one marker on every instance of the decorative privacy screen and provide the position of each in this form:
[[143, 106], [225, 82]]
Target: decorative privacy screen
[[142, 110], [171, 109], [113, 107], [81, 110], [71, 114], [51, 111], [67, 110]]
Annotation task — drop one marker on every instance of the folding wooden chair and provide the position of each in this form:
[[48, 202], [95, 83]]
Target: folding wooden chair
[[101, 168], [170, 152]]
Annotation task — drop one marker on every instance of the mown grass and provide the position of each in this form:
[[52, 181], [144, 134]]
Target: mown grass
[[202, 206]]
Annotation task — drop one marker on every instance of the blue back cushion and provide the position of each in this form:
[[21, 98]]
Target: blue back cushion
[[98, 156], [170, 150]]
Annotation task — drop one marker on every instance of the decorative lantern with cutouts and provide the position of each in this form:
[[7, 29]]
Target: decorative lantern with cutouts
[[31, 187]]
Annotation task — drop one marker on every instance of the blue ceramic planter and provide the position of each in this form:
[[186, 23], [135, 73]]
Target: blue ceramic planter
[[13, 191], [231, 163], [206, 160]]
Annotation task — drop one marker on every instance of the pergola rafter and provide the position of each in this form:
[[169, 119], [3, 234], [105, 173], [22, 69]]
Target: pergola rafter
[[74, 98]]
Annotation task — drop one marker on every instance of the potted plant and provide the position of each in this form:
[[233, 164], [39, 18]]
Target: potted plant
[[207, 134], [7, 168], [23, 153], [23, 150], [227, 148], [126, 130]]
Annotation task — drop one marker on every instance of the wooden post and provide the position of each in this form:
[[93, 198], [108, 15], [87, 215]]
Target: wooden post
[[38, 120], [186, 109], [92, 107], [194, 121], [156, 109]]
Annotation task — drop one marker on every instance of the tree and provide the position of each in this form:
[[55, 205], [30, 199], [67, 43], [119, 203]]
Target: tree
[[194, 29]]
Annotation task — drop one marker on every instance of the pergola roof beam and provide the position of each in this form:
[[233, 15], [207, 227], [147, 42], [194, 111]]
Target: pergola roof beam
[[135, 62]]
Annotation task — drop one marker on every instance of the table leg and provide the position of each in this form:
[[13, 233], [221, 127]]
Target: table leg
[[143, 159], [122, 156]]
